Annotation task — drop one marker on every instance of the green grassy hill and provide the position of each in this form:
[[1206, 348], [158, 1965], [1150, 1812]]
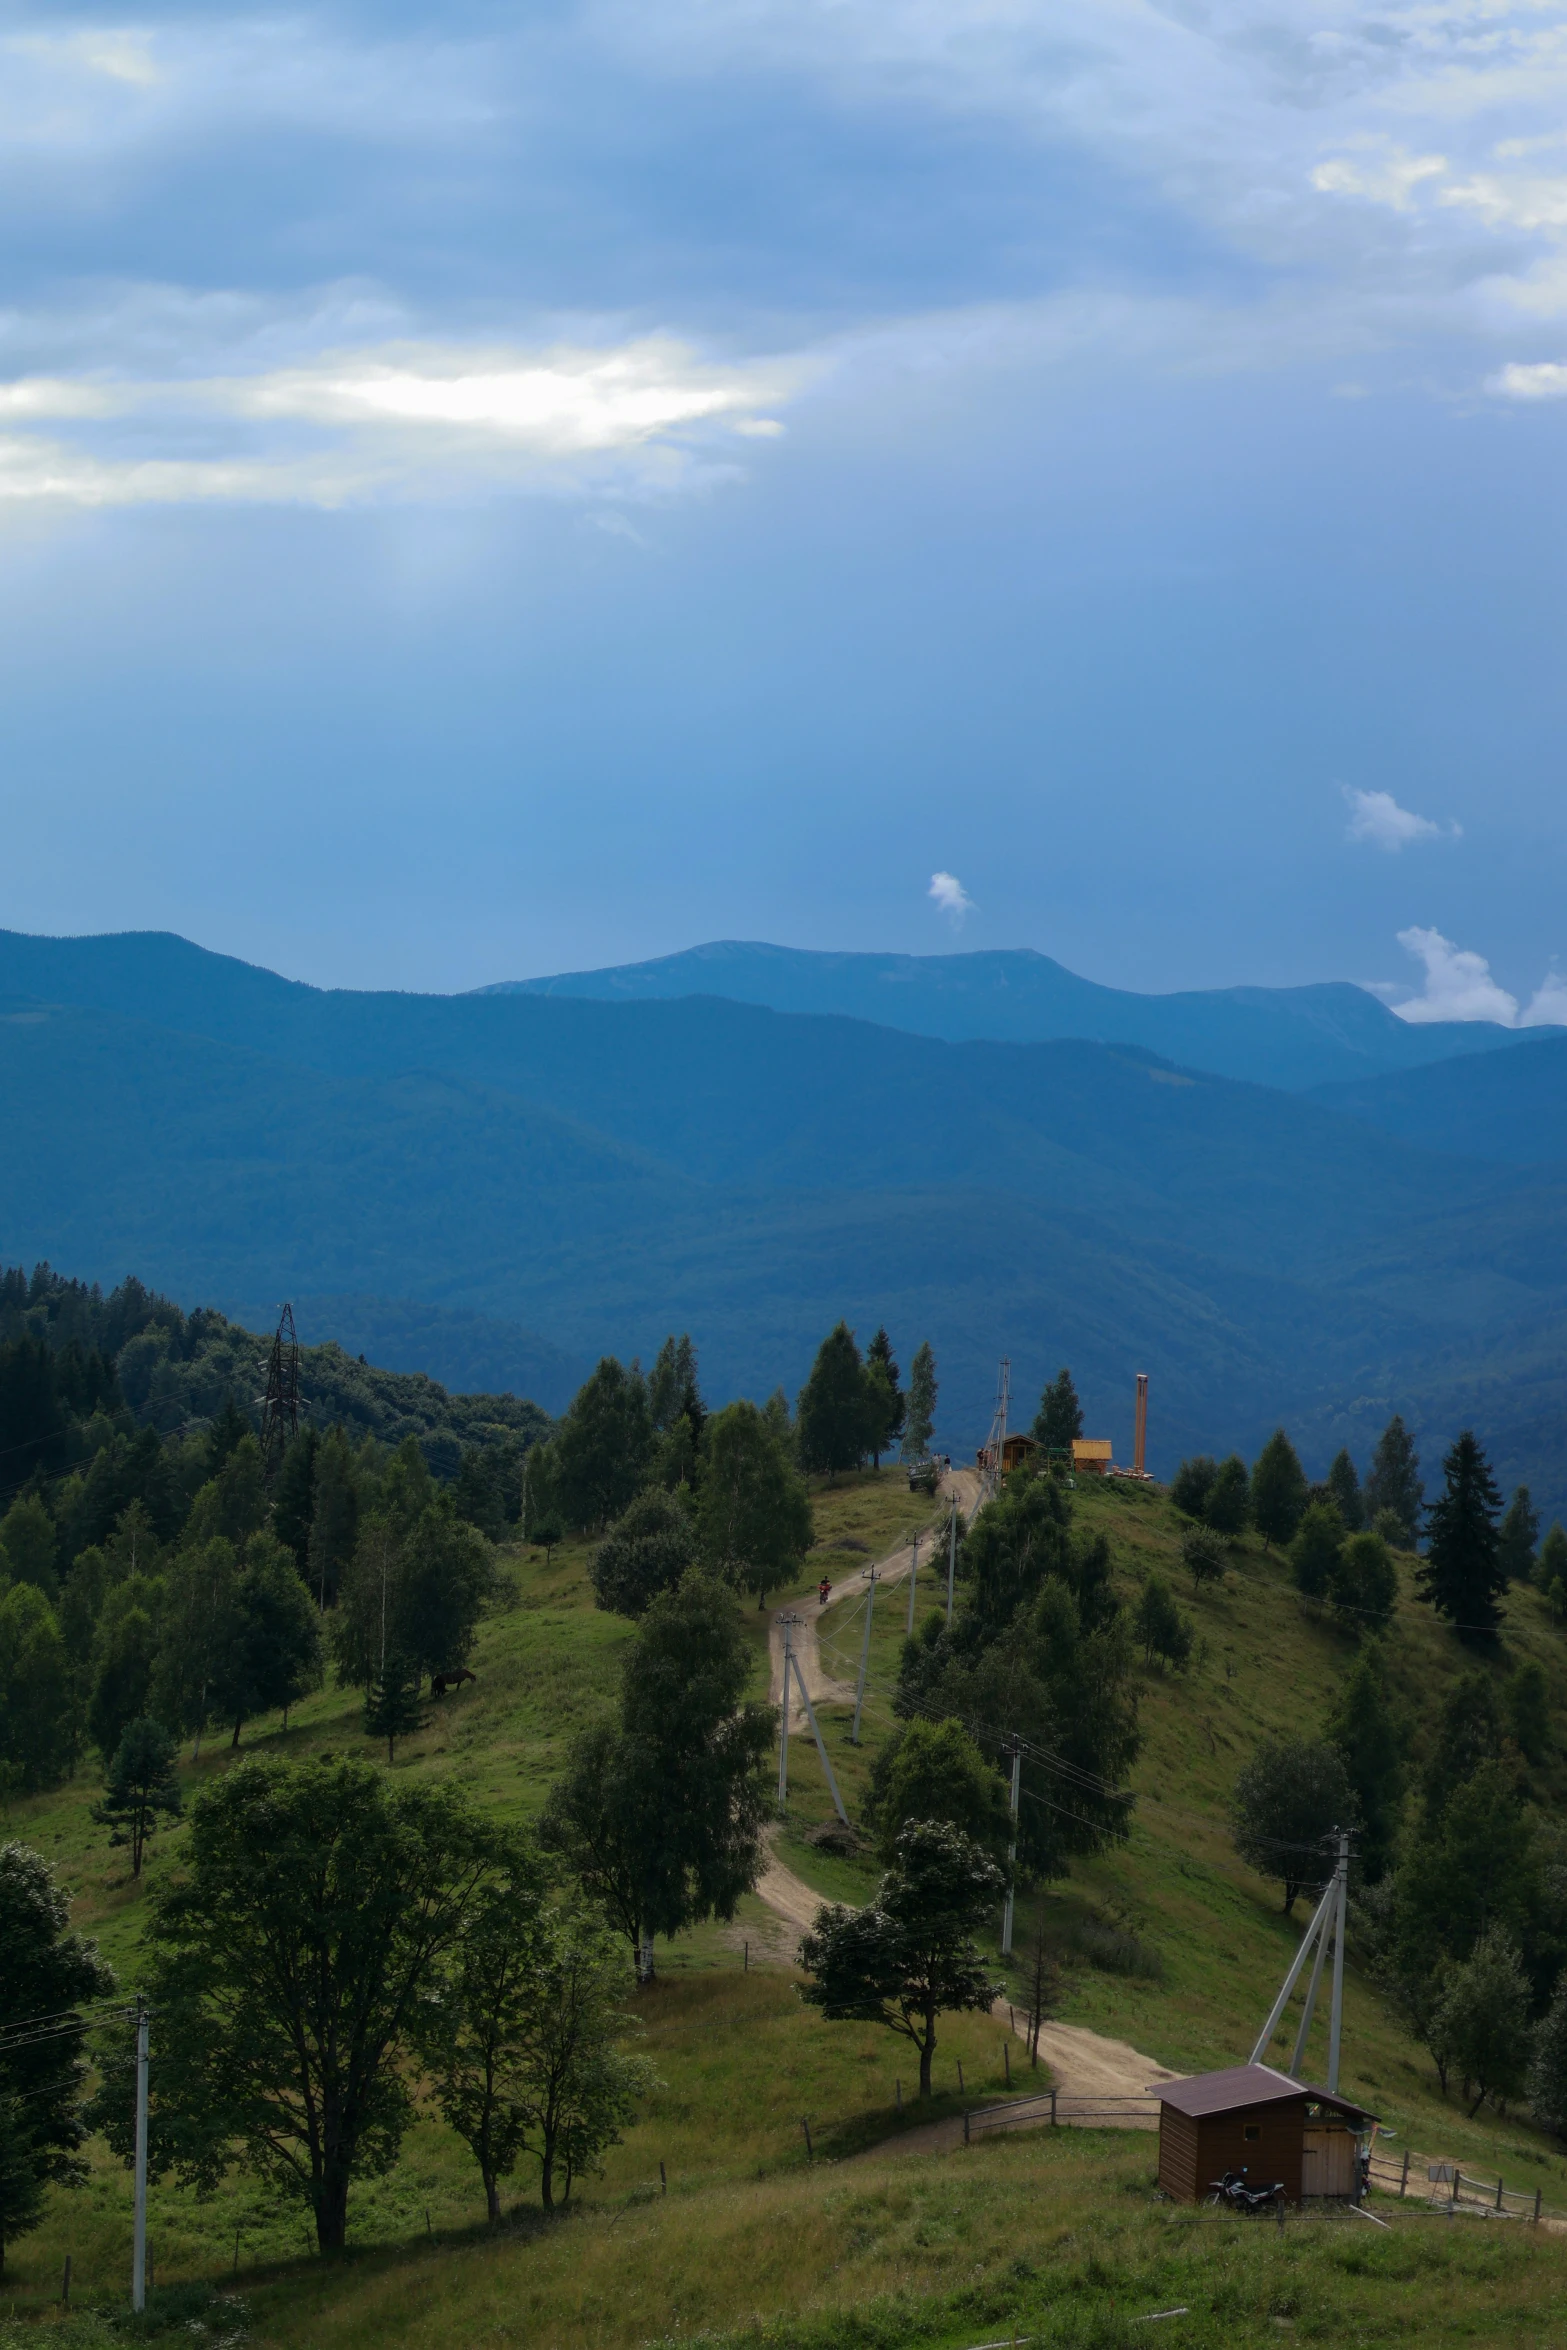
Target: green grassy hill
[[1058, 2234]]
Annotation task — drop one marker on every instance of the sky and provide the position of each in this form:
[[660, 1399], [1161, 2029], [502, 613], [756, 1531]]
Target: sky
[[487, 490]]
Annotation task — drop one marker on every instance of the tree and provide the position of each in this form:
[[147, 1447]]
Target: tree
[[910, 1957], [1484, 2020], [660, 1817], [1228, 1505], [1289, 1799], [1317, 1549], [1472, 1868], [232, 1503], [1370, 1740], [603, 1445], [294, 1498], [38, 1720], [541, 1493], [45, 1970], [1468, 1733], [754, 1522], [197, 1627], [575, 2089], [1202, 1555], [1344, 1485], [124, 1650], [141, 1784], [1363, 1584], [1192, 1484], [1461, 1573], [646, 1551], [416, 1585], [481, 2014], [1527, 1705], [673, 1393], [225, 1433], [888, 1407], [1550, 1566], [1520, 1531], [28, 1545], [1547, 2076], [1278, 1490], [1393, 1482], [270, 1642], [1159, 1624], [334, 1517], [291, 1959], [919, 1419], [934, 1771], [394, 1707], [832, 1412], [1060, 1416]]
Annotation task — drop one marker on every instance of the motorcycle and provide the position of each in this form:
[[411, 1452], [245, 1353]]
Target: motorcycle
[[1232, 2193]]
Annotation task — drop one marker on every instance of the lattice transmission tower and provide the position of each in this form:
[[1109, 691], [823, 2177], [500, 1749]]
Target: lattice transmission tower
[[280, 1404]]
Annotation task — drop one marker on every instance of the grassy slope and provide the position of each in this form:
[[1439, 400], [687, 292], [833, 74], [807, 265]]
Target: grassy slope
[[747, 2227]]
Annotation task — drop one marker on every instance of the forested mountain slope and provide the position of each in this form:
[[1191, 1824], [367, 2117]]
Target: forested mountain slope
[[1285, 1036], [604, 1172], [1506, 1106]]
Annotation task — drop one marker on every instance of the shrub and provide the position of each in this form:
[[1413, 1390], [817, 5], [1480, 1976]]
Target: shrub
[[1202, 1555], [1159, 1624], [1191, 1485], [1363, 1583], [1316, 1548]]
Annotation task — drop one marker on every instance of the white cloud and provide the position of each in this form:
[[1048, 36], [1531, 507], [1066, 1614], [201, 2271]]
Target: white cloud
[[390, 421], [1375, 816], [949, 894], [1390, 177], [1458, 984], [1546, 379], [1547, 1007]]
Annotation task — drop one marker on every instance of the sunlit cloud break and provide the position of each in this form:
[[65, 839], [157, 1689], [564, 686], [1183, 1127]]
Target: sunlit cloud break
[[390, 422], [1375, 816], [949, 894], [1459, 986]]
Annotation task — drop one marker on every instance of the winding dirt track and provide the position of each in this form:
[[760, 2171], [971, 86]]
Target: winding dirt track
[[1082, 2063]]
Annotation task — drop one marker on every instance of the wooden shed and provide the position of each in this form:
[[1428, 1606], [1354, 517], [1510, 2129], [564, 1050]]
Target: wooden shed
[[1253, 2119], [1091, 1455]]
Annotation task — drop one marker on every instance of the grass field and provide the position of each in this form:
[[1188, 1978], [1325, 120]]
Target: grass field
[[1059, 2230]]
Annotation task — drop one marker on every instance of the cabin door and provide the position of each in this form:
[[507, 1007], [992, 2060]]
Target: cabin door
[[1327, 2161]]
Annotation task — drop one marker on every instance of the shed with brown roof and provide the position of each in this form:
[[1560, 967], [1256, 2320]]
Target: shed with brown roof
[[1252, 2119]]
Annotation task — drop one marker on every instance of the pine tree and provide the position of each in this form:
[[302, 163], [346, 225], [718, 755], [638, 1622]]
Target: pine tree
[[1461, 1574], [225, 1433], [1228, 1505], [1519, 1534], [334, 1517], [141, 1784], [831, 1413], [1278, 1490], [1550, 1567], [1060, 1416], [293, 1499], [919, 1420], [1344, 1485], [889, 1405], [1394, 1481], [393, 1706], [1548, 2064]]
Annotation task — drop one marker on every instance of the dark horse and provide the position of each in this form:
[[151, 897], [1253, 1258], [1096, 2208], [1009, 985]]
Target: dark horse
[[452, 1678]]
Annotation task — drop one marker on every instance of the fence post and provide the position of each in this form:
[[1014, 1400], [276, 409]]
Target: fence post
[[1052, 2109], [1537, 2194], [1498, 2194], [806, 2127], [1403, 2184], [1457, 2182]]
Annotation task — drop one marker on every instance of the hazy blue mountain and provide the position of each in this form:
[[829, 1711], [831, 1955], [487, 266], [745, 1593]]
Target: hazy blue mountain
[[1285, 1036], [1509, 1106], [601, 1173]]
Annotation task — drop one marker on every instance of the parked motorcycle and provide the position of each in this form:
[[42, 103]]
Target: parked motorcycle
[[1233, 2193]]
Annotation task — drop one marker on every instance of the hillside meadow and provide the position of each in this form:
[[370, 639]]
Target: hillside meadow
[[711, 2221]]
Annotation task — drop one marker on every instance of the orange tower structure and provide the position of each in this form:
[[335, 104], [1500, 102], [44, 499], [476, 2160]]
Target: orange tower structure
[[1140, 1435]]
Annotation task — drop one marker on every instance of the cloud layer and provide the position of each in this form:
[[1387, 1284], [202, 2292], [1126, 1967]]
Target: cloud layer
[[1459, 986], [1375, 816]]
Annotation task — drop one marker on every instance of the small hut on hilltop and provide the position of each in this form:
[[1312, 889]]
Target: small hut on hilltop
[[1253, 2119]]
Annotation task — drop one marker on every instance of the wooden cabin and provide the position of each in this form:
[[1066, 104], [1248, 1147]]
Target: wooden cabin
[[1253, 2119], [1091, 1455], [1015, 1450]]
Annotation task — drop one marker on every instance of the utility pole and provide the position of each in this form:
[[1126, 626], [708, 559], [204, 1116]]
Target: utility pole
[[865, 1658], [952, 1557], [783, 1723], [821, 1743], [139, 2241], [1336, 2022], [1006, 1915], [914, 1572]]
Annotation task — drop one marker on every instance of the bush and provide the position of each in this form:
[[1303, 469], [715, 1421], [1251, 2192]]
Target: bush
[[1316, 1548], [1391, 1528], [1159, 1624], [1363, 1584], [1191, 1485], [1229, 1498], [645, 1552]]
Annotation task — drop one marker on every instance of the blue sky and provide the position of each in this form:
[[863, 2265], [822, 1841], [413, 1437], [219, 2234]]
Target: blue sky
[[494, 489]]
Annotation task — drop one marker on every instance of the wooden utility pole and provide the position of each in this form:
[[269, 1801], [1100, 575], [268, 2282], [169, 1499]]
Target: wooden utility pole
[[865, 1658]]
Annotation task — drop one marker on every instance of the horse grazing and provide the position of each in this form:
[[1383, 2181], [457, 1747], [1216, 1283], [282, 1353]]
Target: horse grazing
[[453, 1678]]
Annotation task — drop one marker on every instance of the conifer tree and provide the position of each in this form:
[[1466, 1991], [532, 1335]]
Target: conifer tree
[[393, 1706], [919, 1421], [334, 1517], [1394, 1481], [1228, 1505], [831, 1414], [1520, 1531], [293, 1499], [888, 1405], [28, 1545], [1317, 1549], [1370, 1738], [1278, 1490], [141, 1784], [1344, 1485], [1060, 1416], [1550, 1566], [1461, 1574]]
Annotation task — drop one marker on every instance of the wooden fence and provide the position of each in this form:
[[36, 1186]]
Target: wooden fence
[[1447, 2186], [1060, 2108]]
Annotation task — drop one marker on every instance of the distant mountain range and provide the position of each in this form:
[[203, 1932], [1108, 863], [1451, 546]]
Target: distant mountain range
[[1292, 1037], [513, 1182]]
